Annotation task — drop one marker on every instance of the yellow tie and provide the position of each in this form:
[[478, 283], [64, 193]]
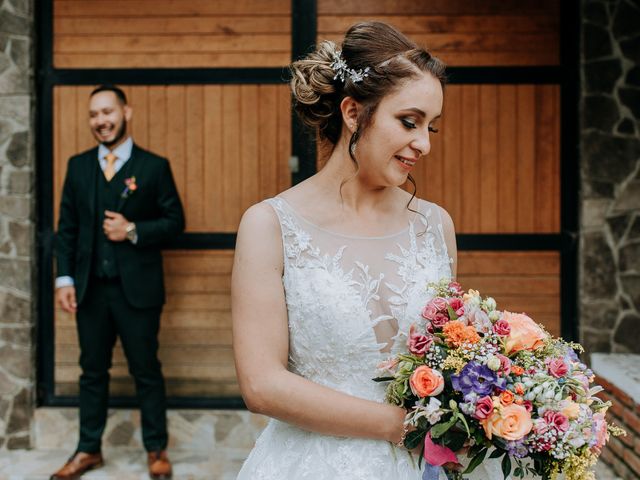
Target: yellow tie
[[110, 169]]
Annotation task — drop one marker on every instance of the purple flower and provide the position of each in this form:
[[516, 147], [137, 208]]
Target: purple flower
[[517, 448], [476, 378]]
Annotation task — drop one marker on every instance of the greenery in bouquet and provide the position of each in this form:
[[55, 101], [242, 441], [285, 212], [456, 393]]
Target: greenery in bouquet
[[495, 384]]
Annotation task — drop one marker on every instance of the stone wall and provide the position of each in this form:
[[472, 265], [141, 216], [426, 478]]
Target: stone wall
[[610, 176], [17, 245]]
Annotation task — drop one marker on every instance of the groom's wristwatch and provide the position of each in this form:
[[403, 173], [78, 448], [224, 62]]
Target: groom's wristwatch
[[131, 232]]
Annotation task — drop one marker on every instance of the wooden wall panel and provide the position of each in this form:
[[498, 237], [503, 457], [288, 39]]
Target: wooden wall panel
[[228, 145], [492, 32], [170, 33], [195, 337], [195, 334], [526, 282], [495, 162]]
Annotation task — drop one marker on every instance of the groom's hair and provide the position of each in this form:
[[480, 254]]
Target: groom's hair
[[107, 87]]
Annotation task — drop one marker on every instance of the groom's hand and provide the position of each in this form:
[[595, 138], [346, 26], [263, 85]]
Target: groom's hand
[[115, 226], [66, 297]]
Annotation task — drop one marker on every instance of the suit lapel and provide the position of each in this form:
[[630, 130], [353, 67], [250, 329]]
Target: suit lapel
[[130, 170], [90, 176]]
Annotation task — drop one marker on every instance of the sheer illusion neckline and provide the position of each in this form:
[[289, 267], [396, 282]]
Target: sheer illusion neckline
[[345, 235]]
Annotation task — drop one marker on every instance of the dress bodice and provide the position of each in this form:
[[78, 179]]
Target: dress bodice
[[351, 300]]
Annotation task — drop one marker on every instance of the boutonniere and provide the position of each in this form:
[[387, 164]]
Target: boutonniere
[[130, 187]]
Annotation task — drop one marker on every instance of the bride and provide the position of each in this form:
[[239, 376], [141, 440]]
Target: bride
[[329, 275]]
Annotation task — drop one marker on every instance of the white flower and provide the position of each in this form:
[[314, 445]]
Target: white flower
[[494, 315], [432, 411], [493, 363], [490, 303]]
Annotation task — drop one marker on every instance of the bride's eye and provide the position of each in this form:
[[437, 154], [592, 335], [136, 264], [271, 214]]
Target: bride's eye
[[408, 123], [433, 129]]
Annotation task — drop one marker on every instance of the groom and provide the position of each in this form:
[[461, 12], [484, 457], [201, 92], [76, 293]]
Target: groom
[[119, 205]]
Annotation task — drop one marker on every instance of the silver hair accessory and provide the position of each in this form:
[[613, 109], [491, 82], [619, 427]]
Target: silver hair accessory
[[342, 70]]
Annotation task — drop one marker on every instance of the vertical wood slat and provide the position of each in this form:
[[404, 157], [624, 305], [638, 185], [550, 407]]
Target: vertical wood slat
[[228, 145], [213, 201], [507, 158], [526, 161], [488, 159]]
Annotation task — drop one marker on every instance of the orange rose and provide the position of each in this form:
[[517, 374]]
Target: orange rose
[[506, 397], [517, 370], [426, 382], [519, 388], [525, 333], [511, 422]]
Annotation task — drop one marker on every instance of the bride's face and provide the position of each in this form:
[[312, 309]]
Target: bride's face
[[399, 134]]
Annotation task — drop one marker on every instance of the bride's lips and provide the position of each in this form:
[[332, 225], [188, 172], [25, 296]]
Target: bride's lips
[[406, 163]]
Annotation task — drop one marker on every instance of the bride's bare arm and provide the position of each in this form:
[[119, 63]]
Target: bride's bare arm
[[261, 346]]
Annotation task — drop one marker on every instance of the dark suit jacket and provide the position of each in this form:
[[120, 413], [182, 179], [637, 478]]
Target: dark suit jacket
[[155, 208]]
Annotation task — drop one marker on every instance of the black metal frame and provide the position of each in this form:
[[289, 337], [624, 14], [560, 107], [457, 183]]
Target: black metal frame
[[304, 31]]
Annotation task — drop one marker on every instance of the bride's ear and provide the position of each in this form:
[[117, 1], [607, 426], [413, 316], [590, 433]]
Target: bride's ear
[[350, 110]]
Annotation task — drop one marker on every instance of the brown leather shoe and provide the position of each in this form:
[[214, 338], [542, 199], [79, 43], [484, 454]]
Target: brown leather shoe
[[159, 465], [77, 465]]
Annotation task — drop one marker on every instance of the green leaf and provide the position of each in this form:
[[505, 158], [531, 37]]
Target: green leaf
[[414, 438], [383, 379], [454, 440], [452, 313], [518, 472], [477, 460], [497, 453], [440, 428], [506, 466]]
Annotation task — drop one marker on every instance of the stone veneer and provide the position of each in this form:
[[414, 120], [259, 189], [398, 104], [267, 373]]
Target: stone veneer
[[610, 176], [17, 246]]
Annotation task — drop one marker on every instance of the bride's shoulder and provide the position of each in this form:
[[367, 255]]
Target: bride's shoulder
[[431, 208]]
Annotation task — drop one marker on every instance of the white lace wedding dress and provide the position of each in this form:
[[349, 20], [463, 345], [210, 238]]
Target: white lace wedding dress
[[350, 302]]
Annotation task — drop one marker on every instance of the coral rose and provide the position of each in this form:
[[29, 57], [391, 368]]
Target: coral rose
[[507, 397], [525, 333], [512, 422], [426, 382]]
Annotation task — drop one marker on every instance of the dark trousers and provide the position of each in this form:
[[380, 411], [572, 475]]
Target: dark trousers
[[104, 315]]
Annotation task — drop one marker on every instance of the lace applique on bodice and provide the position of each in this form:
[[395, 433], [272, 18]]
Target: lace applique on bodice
[[350, 299]]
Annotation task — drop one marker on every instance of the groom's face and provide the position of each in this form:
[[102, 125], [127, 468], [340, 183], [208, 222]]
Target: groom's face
[[108, 118]]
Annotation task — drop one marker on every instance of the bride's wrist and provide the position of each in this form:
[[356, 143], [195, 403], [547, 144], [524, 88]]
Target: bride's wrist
[[398, 429]]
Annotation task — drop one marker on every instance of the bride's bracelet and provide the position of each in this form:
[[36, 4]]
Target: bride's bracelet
[[403, 437]]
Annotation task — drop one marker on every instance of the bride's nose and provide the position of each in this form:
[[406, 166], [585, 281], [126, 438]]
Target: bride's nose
[[421, 144]]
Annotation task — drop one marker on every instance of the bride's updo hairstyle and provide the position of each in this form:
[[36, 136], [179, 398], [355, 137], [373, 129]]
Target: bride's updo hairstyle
[[391, 59]]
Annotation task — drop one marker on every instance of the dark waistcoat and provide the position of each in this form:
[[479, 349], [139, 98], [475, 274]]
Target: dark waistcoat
[[107, 198]]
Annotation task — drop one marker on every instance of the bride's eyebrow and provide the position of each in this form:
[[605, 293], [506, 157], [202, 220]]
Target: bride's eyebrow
[[421, 113]]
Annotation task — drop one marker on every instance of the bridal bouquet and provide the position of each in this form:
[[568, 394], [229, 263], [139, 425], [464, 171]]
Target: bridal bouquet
[[495, 384]]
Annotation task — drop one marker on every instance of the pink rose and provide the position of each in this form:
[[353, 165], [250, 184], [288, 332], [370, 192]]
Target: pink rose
[[429, 311], [528, 405], [600, 430], [540, 426], [455, 288], [556, 419], [557, 367], [505, 364], [455, 303], [418, 344], [439, 320], [484, 408], [502, 328], [440, 303]]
